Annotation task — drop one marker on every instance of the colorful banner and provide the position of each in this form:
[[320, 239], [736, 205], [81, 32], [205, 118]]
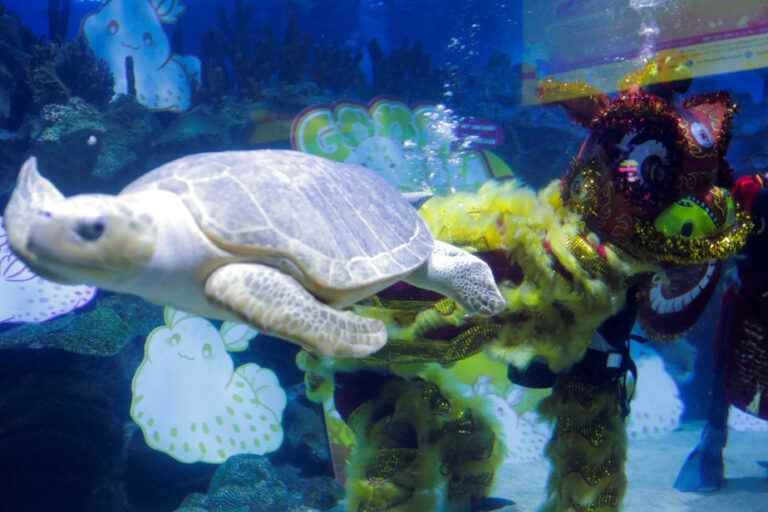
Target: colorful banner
[[420, 147], [600, 41]]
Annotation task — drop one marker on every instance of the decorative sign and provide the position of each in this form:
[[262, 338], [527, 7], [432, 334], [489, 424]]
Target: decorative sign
[[600, 41]]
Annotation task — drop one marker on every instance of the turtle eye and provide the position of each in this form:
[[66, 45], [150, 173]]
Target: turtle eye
[[90, 231]]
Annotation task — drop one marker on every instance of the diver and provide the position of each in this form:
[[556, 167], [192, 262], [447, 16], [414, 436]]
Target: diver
[[607, 361], [740, 347]]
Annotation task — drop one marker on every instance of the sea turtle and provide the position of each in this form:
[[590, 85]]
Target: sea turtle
[[281, 240]]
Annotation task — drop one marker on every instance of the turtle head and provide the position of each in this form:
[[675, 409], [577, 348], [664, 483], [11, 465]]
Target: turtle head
[[100, 240]]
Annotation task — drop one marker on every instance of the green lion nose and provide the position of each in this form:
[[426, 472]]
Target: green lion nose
[[687, 218]]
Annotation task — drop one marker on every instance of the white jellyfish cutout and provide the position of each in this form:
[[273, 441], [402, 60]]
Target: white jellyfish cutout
[[656, 407], [123, 31], [27, 297], [192, 404]]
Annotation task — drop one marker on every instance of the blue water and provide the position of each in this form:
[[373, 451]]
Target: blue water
[[250, 75]]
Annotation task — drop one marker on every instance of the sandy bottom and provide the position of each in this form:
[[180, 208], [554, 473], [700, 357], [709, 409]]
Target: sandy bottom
[[652, 469]]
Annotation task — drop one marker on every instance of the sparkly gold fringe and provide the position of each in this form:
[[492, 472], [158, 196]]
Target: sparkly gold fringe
[[588, 449], [677, 249], [419, 449]]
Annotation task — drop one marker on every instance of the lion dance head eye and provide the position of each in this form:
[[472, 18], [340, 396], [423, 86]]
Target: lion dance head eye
[[644, 162], [113, 27], [702, 135], [645, 172]]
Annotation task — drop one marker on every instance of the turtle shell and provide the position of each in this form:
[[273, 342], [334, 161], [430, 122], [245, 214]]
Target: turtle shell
[[341, 224]]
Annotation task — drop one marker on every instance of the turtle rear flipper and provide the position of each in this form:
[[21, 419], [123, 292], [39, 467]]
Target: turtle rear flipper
[[277, 304], [460, 275]]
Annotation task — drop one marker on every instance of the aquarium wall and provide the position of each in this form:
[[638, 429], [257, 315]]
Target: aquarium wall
[[595, 166]]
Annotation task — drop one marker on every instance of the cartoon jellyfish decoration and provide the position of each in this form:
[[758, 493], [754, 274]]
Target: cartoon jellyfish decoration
[[27, 297], [129, 36], [741, 421], [193, 404], [656, 408], [524, 434]]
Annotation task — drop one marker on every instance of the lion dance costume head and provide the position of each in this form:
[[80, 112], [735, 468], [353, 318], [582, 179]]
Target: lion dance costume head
[[651, 178]]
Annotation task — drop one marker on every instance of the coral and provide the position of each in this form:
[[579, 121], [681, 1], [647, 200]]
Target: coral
[[82, 146], [26, 297], [73, 117], [16, 42], [102, 329], [214, 79], [58, 19], [58, 72], [61, 431], [305, 443], [206, 128], [46, 86], [257, 63], [34, 73], [191, 402], [129, 35], [336, 67], [407, 71], [250, 482], [253, 59], [122, 156], [295, 53], [86, 75]]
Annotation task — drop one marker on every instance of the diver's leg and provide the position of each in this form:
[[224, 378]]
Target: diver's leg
[[394, 467], [588, 449], [704, 468], [471, 451], [420, 448]]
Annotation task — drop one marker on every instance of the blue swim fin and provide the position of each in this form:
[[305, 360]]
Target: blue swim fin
[[488, 504], [704, 469]]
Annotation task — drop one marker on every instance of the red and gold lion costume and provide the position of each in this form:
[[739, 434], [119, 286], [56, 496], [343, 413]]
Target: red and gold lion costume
[[636, 227]]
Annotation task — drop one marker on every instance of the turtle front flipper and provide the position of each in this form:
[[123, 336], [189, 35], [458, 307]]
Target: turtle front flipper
[[277, 304], [462, 276]]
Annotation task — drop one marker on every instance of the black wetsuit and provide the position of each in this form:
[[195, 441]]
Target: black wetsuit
[[597, 367]]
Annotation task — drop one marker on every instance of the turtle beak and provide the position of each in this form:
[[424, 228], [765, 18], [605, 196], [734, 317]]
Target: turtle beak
[[30, 200]]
